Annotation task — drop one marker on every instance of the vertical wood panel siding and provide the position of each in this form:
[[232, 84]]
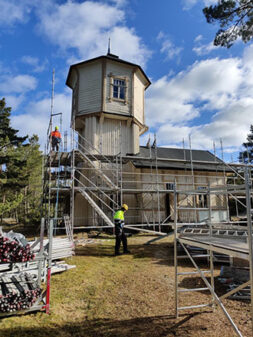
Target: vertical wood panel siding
[[90, 88], [114, 135], [122, 71], [138, 98]]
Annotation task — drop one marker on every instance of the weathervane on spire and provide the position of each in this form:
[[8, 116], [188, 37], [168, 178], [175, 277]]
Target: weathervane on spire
[[109, 46], [109, 50]]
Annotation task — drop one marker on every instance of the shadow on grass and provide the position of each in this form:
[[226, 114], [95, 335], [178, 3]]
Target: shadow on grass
[[156, 326], [161, 253]]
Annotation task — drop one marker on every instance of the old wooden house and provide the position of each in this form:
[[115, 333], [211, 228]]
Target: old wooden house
[[108, 116]]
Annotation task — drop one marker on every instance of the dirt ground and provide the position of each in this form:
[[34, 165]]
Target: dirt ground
[[129, 296]]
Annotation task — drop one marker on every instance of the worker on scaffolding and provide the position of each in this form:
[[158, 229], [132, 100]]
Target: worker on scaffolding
[[119, 222], [55, 139]]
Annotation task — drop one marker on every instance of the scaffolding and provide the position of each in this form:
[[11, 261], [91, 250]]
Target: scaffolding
[[104, 180], [229, 238], [199, 215]]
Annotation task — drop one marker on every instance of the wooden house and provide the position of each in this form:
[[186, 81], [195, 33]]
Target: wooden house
[[108, 115]]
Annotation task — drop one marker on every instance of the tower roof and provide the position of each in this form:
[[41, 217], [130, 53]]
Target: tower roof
[[111, 57]]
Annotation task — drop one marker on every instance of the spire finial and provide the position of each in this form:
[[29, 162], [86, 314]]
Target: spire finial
[[109, 46]]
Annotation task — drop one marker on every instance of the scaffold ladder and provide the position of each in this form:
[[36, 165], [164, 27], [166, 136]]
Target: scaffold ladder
[[95, 206]]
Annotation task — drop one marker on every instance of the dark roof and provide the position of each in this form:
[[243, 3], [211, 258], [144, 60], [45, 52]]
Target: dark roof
[[178, 159], [179, 154], [108, 57]]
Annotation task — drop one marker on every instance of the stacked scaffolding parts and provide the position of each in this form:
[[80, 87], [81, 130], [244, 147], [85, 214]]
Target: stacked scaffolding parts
[[20, 289]]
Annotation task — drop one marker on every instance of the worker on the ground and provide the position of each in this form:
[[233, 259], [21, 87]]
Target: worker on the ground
[[55, 139], [119, 221]]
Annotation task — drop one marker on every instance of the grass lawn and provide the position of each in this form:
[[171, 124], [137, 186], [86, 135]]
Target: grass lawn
[[129, 295]]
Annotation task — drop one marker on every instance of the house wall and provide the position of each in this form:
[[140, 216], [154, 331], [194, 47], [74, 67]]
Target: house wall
[[138, 99], [118, 70], [143, 207], [90, 88], [110, 137]]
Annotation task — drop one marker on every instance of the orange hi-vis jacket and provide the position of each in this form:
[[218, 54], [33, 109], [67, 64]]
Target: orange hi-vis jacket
[[56, 134]]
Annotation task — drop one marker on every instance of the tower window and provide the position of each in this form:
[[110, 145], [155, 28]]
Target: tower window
[[119, 89]]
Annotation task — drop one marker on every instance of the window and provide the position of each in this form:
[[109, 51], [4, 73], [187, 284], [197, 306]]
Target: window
[[202, 198], [119, 89], [170, 186]]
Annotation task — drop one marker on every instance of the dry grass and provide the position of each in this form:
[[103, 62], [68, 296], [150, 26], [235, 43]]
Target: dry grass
[[129, 295]]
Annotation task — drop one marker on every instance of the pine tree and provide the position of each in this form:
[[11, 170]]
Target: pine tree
[[12, 162], [235, 18], [30, 208], [246, 156]]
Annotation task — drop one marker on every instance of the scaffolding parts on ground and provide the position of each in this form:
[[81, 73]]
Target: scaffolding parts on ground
[[18, 292], [14, 248], [239, 246], [21, 289]]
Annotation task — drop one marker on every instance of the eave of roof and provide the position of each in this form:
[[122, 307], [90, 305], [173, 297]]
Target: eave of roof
[[108, 58], [173, 158]]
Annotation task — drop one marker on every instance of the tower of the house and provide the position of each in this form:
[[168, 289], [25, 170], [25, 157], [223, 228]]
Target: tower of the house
[[108, 103]]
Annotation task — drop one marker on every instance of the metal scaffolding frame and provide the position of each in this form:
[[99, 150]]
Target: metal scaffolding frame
[[103, 181], [212, 240]]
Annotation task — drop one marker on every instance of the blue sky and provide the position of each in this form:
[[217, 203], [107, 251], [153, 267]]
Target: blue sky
[[197, 89]]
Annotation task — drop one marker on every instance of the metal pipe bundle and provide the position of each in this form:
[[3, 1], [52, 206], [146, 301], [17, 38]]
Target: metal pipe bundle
[[61, 248], [13, 251], [18, 292]]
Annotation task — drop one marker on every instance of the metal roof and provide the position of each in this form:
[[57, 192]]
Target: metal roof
[[110, 57], [175, 158]]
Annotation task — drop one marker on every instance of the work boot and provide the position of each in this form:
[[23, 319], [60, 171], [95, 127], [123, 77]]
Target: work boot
[[126, 252], [117, 253]]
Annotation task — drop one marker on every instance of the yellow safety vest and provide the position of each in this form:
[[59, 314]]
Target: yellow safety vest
[[119, 215]]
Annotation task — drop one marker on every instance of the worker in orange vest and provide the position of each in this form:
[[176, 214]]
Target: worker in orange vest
[[55, 139]]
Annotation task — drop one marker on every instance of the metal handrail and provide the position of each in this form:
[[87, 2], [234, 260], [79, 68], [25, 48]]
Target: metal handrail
[[91, 182], [93, 148], [96, 168], [94, 194]]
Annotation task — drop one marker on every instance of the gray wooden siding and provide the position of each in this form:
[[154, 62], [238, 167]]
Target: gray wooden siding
[[107, 136], [112, 134], [118, 70], [138, 98], [90, 84]]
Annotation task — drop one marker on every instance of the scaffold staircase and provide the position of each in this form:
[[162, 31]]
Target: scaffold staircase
[[95, 207], [95, 160], [100, 183]]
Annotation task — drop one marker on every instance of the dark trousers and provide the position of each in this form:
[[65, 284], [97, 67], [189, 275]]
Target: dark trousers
[[120, 236], [55, 143]]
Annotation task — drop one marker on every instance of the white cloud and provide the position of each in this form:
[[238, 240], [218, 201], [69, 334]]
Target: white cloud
[[86, 26], [204, 49], [188, 4], [14, 101], [38, 65], [13, 11], [17, 84], [198, 38], [120, 3], [35, 119], [218, 91], [168, 47]]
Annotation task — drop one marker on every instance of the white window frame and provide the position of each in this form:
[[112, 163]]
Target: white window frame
[[202, 198], [119, 88], [112, 85]]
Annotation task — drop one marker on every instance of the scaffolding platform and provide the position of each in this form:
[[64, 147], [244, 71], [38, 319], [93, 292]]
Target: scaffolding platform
[[228, 246]]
